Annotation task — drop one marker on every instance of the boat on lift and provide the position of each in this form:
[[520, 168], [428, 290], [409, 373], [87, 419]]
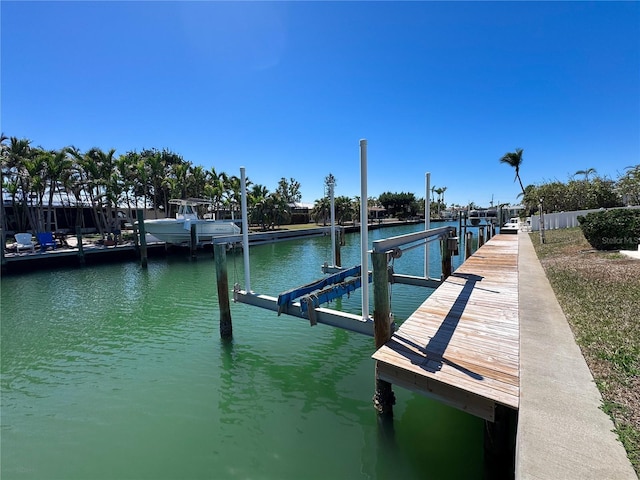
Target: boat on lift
[[178, 230], [512, 226], [483, 215]]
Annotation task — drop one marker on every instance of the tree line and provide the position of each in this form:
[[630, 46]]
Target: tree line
[[577, 193], [36, 180]]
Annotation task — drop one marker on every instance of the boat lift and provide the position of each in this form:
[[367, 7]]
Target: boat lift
[[305, 301]]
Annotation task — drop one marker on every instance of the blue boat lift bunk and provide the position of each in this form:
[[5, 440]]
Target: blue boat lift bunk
[[305, 301]]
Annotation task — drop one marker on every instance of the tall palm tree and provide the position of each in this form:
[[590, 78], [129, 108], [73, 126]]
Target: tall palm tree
[[216, 189], [514, 159], [439, 191], [57, 168], [586, 173]]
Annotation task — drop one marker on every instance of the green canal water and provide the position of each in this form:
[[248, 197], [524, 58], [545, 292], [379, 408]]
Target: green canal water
[[117, 372]]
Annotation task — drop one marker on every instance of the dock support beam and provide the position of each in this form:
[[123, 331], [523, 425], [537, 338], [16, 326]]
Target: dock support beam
[[500, 444], [480, 235], [384, 398], [220, 254], [143, 238]]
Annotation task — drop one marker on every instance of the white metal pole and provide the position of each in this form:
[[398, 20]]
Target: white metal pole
[[427, 219], [333, 225], [245, 231], [364, 230]]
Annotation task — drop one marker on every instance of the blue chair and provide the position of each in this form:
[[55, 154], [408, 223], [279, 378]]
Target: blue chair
[[46, 240]]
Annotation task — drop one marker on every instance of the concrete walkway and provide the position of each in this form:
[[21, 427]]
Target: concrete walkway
[[562, 433]]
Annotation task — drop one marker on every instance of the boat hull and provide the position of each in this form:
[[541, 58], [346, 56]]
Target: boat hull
[[179, 231]]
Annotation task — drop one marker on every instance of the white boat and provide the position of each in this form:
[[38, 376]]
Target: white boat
[[512, 226], [178, 230]]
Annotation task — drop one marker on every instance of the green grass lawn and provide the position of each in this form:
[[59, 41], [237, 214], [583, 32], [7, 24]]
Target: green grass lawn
[[600, 295]]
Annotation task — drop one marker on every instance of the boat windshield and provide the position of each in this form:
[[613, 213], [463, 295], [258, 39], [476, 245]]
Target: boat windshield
[[187, 211]]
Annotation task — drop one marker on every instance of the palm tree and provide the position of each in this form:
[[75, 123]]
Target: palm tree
[[57, 166], [216, 189], [321, 210], [439, 191], [4, 153], [514, 159], [586, 173]]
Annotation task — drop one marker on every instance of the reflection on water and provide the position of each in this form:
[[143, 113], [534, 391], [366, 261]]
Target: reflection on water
[[118, 372]]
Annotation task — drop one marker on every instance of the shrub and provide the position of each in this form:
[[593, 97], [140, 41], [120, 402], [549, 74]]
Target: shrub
[[617, 229]]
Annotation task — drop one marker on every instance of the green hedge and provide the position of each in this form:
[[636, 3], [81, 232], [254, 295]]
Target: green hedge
[[617, 229]]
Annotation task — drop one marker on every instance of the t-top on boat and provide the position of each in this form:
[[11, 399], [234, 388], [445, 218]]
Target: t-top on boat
[[178, 230]]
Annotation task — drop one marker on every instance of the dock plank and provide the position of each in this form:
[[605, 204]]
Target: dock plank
[[461, 346]]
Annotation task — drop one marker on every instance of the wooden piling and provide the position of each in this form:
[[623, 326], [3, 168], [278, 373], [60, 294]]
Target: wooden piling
[[445, 253], [193, 244], [384, 398], [143, 238], [480, 236], [454, 244], [81, 258], [468, 246], [220, 255]]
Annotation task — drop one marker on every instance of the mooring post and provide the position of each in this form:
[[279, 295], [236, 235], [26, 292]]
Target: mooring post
[[445, 253], [81, 258], [143, 238], [480, 235], [455, 244], [337, 243], [384, 398], [489, 232], [194, 241], [220, 255], [468, 246]]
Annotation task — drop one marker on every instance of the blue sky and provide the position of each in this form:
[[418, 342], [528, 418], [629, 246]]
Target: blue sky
[[288, 89]]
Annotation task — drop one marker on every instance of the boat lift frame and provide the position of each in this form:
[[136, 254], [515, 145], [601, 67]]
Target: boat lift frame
[[303, 302]]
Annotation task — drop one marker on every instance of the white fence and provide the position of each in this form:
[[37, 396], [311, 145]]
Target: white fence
[[553, 221]]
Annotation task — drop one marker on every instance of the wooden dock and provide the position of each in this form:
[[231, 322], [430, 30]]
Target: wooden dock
[[461, 347]]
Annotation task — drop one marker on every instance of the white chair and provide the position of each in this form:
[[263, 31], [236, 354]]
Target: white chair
[[23, 241]]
